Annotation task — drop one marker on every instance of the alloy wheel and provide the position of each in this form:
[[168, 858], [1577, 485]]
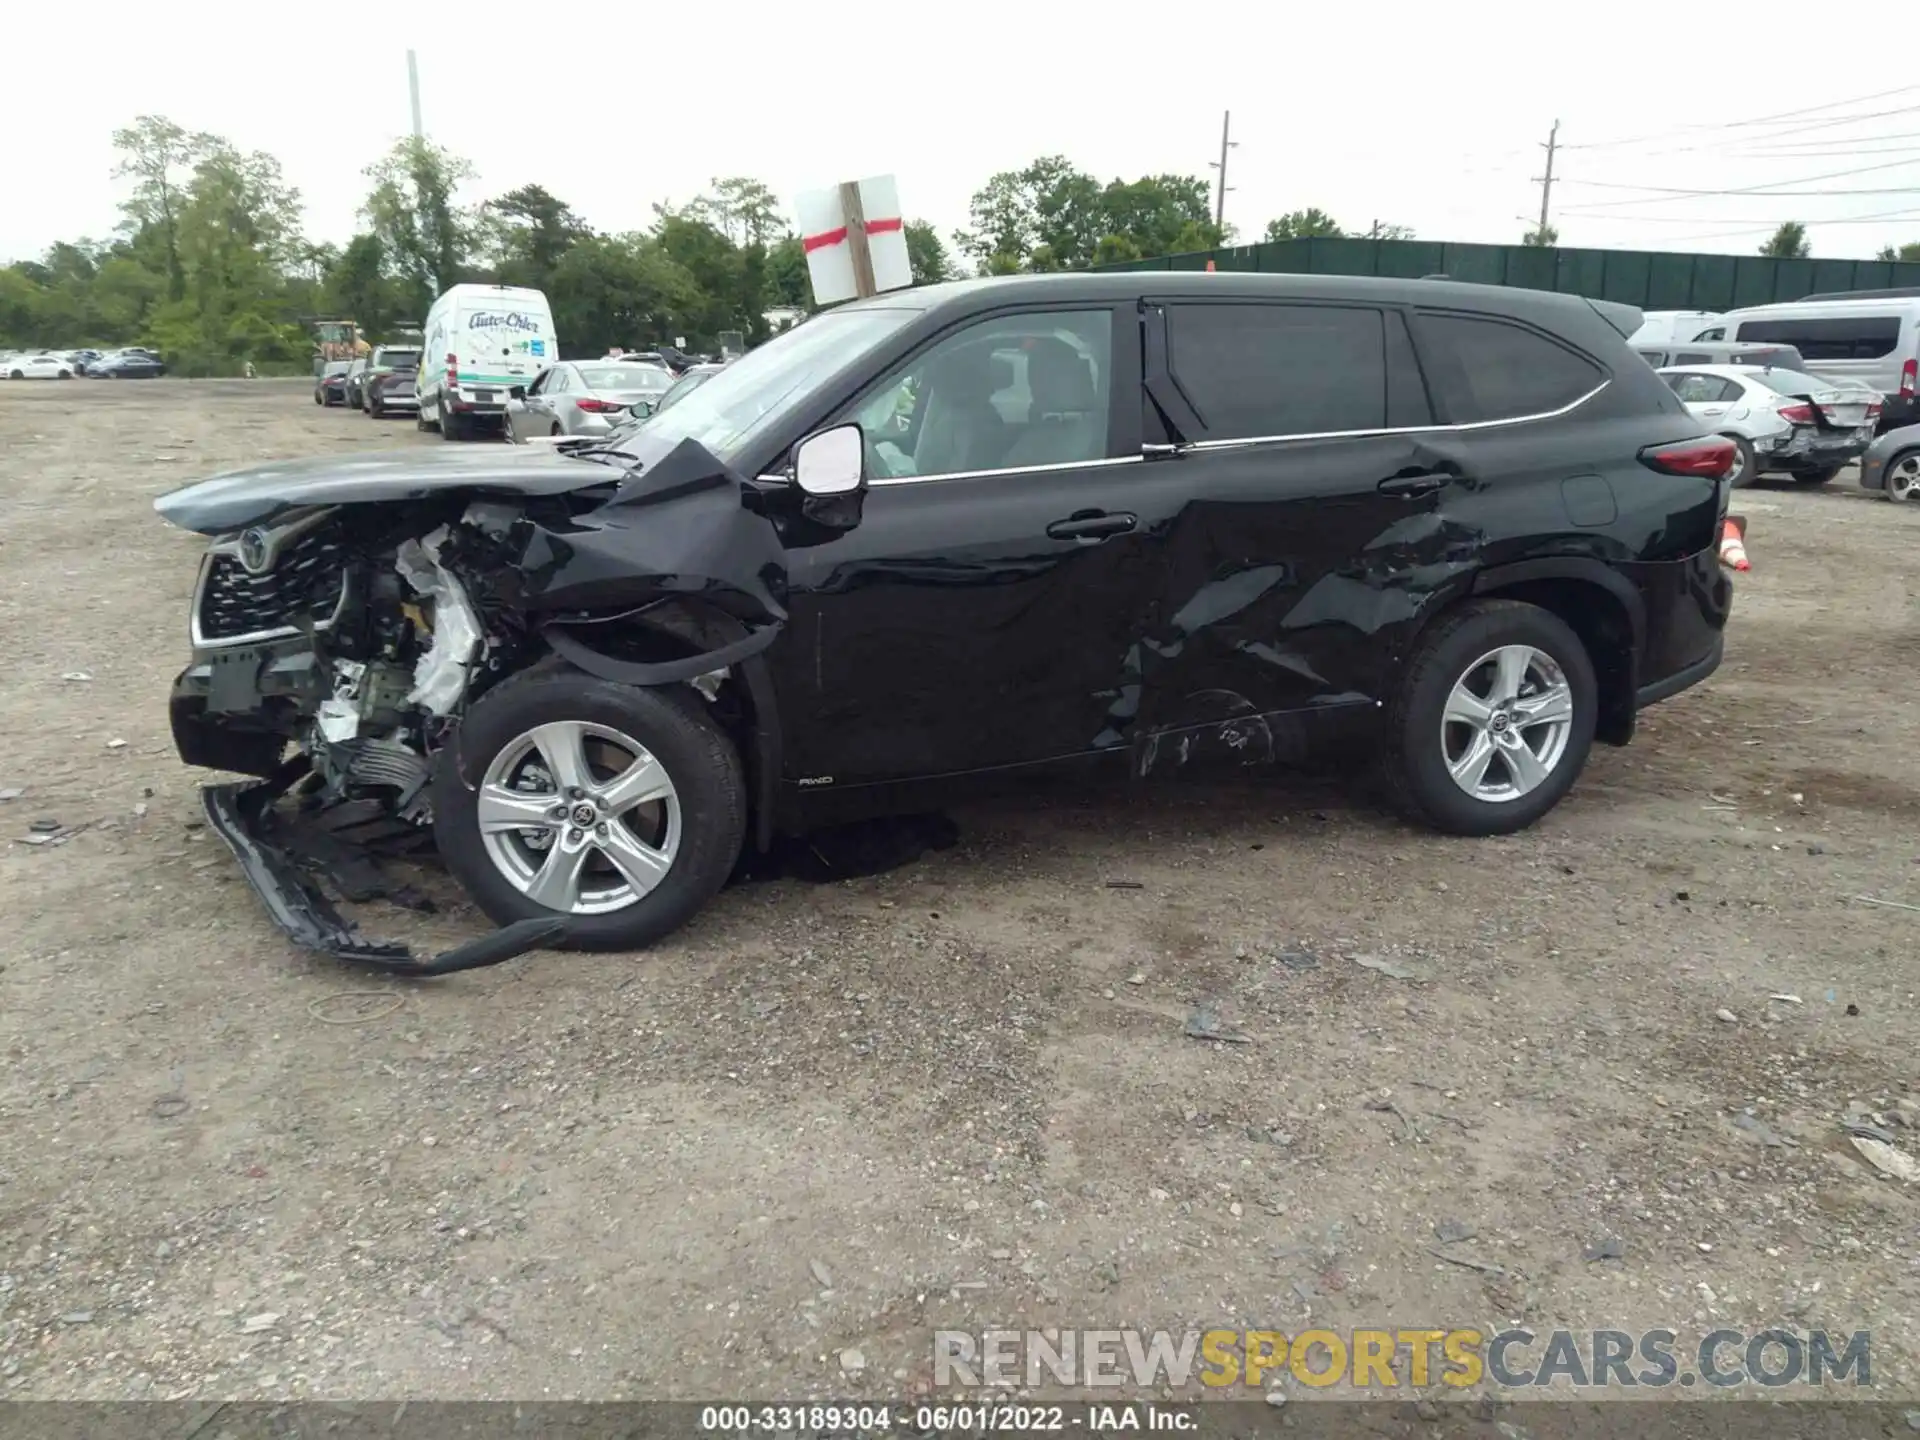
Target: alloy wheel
[[579, 817], [1506, 723], [1903, 478]]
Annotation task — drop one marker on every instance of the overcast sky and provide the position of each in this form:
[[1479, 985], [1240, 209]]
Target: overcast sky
[[1411, 114]]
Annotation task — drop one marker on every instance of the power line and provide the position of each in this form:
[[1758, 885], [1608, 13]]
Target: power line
[[1832, 140], [1768, 195], [1745, 220], [1757, 120], [1771, 187], [1825, 154]]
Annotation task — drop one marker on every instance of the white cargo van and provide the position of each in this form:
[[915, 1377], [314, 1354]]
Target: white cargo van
[[1669, 327], [1874, 341], [481, 341]]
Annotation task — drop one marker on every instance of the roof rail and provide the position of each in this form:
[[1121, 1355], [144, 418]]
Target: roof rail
[[1901, 292]]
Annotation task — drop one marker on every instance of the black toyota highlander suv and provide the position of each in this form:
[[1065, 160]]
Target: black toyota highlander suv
[[1157, 520]]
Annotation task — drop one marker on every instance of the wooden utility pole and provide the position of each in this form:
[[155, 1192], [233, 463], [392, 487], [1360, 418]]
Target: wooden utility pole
[[1221, 187], [1546, 181], [855, 215]]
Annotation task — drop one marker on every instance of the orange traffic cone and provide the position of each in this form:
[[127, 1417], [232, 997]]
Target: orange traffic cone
[[1733, 550]]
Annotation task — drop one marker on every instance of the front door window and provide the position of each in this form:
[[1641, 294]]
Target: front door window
[[1011, 393]]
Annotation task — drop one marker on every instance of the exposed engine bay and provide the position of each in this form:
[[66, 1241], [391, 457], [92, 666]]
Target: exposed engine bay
[[373, 644], [338, 648]]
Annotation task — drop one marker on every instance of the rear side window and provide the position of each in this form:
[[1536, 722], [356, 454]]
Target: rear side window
[[1839, 337], [1487, 369], [1252, 371]]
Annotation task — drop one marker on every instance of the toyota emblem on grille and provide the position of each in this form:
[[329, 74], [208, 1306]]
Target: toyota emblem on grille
[[256, 552]]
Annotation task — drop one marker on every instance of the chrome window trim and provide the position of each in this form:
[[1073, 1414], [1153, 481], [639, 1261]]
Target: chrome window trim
[[1467, 425], [1102, 463], [1150, 451]]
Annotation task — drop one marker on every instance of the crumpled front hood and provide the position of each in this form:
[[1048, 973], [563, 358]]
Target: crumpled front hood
[[260, 493]]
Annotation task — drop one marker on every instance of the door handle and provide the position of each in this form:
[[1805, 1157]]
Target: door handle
[[1411, 486], [1091, 525]]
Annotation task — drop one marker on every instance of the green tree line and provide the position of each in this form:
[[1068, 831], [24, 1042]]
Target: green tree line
[[210, 265]]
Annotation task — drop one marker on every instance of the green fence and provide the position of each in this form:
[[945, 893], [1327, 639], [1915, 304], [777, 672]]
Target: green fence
[[1652, 280]]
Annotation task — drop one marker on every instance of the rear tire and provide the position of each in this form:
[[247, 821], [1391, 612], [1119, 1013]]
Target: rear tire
[[1744, 471], [700, 826], [1459, 667], [453, 427], [1817, 477]]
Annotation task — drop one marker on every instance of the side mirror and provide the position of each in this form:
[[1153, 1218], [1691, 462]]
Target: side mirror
[[640, 409], [832, 462], [517, 392]]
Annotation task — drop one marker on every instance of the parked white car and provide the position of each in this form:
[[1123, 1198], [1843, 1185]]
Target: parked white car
[[1875, 340], [1782, 420], [39, 367]]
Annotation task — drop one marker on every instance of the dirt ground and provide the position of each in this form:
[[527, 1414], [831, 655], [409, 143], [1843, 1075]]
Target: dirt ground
[[772, 1156]]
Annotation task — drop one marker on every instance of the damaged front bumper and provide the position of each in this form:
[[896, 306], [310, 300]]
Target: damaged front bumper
[[243, 816]]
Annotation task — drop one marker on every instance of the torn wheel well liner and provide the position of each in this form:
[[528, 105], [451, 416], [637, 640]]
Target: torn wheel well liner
[[1603, 609], [678, 645]]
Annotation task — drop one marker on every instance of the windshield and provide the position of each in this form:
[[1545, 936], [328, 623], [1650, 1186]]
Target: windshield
[[729, 412], [687, 383], [650, 378], [1790, 382], [400, 359]]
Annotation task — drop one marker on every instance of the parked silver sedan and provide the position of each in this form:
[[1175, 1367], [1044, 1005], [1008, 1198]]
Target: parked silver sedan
[[584, 397]]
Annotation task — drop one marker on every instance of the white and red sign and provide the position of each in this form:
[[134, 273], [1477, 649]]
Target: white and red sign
[[825, 237]]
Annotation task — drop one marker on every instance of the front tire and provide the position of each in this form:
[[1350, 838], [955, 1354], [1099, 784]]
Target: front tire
[[1903, 478], [1493, 719], [623, 808]]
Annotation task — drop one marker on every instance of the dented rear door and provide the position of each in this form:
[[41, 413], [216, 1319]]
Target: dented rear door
[[1314, 520]]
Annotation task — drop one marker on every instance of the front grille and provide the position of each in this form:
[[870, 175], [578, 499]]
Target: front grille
[[303, 588]]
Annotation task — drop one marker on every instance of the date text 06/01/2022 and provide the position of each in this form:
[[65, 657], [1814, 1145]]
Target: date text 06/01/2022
[[932, 1420]]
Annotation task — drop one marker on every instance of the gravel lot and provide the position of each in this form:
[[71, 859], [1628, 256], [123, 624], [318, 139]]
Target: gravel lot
[[773, 1155]]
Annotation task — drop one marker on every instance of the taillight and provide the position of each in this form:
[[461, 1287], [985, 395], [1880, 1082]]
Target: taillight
[[453, 371], [1909, 375], [1709, 457], [1797, 414], [598, 407], [1873, 409]]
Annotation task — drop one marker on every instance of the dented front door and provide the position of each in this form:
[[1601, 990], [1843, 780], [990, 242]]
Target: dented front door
[[1286, 574], [970, 623]]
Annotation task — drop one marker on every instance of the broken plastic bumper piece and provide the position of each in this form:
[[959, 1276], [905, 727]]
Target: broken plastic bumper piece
[[240, 815]]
